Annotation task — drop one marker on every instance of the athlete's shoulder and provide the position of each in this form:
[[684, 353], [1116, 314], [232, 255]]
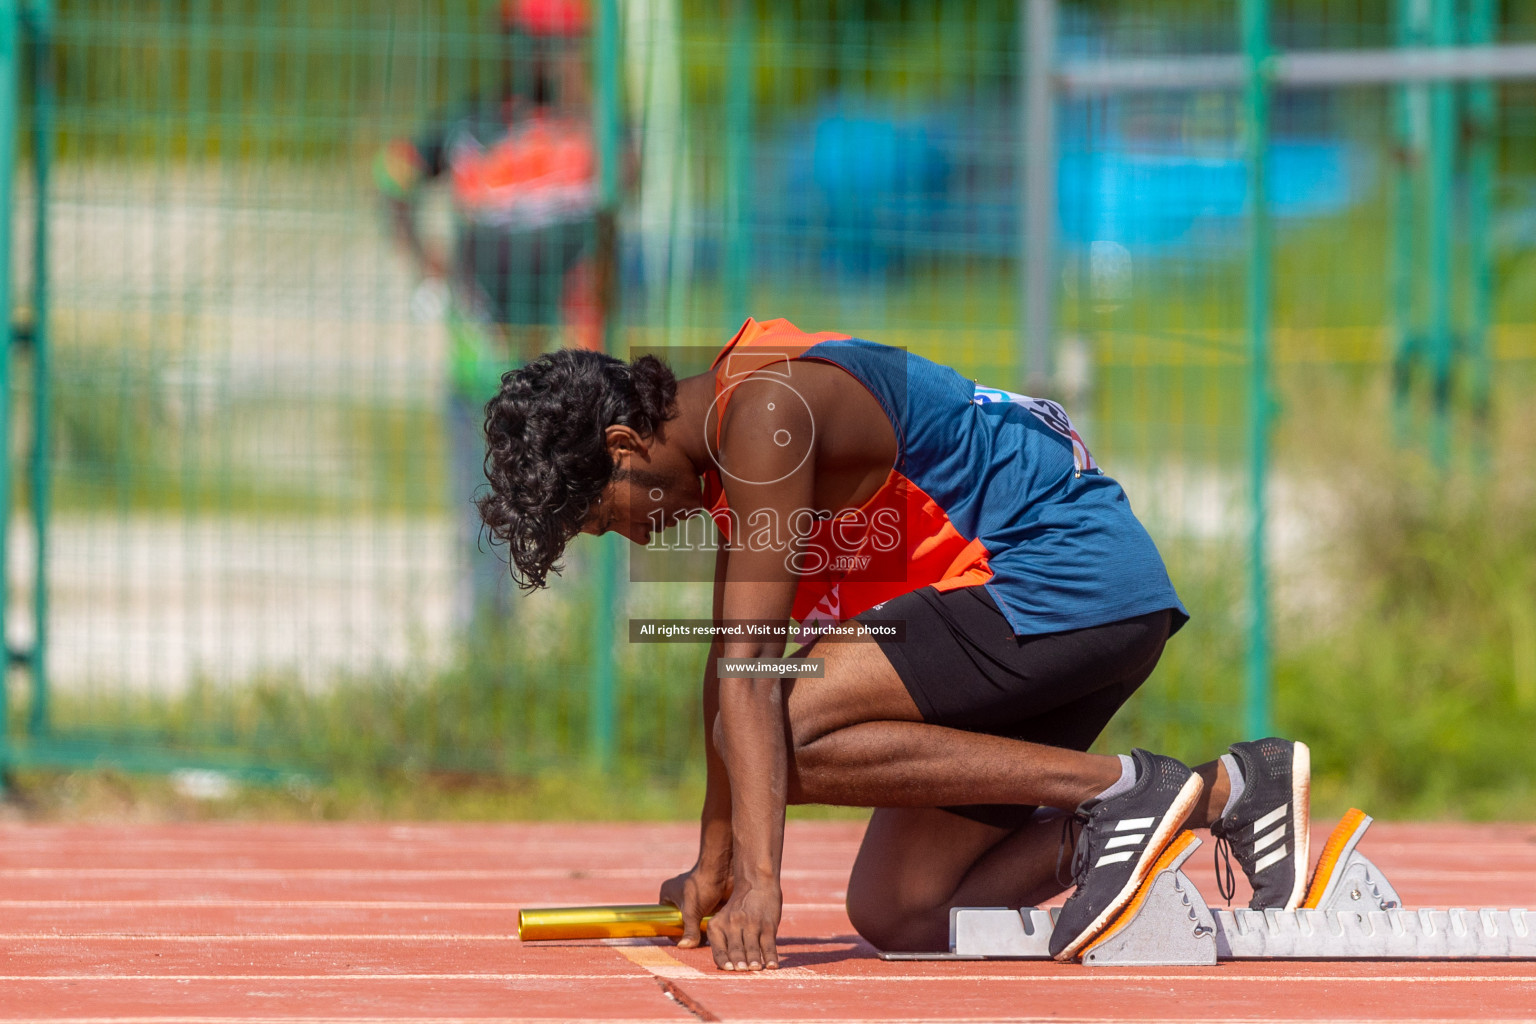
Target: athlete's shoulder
[[772, 334]]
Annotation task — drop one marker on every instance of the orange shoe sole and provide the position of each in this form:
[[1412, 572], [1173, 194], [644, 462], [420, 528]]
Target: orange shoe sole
[[1170, 856]]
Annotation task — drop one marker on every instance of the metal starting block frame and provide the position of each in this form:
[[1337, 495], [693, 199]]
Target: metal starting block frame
[[1358, 915]]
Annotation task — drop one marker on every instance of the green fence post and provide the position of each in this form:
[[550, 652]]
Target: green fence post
[[1411, 28], [1481, 19], [1442, 163], [9, 123], [739, 74], [42, 397], [600, 711], [1255, 29]]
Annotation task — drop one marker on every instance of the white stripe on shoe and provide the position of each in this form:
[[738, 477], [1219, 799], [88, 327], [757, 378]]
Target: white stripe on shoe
[[1130, 840], [1270, 839], [1270, 818], [1126, 824], [1273, 857], [1114, 858], [1167, 826]]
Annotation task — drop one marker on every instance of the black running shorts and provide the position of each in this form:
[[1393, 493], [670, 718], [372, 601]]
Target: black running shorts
[[966, 669]]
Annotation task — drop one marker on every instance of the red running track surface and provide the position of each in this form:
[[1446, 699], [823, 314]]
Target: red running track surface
[[354, 923]]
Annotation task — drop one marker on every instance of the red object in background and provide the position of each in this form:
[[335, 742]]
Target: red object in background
[[549, 159], [545, 17]]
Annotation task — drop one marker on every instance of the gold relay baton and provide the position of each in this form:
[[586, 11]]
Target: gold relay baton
[[641, 920]]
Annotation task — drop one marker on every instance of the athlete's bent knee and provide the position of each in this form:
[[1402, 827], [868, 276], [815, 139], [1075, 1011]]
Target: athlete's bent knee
[[875, 924], [899, 929]]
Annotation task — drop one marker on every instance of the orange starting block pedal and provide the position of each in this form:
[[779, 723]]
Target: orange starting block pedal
[[1345, 879]]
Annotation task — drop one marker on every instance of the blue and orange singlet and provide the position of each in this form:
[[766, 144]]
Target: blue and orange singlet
[[989, 489]]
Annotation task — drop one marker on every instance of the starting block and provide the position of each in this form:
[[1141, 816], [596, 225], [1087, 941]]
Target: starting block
[[1350, 912]]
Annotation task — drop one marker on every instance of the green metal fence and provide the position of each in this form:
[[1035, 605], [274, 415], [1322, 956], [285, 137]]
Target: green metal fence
[[240, 536]]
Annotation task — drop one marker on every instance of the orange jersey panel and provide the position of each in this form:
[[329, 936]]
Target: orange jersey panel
[[897, 541]]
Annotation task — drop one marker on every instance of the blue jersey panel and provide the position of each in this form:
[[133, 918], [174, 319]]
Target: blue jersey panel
[[1065, 549]]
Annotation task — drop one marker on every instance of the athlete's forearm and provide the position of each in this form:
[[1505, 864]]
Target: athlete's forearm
[[760, 584], [752, 723], [715, 821]]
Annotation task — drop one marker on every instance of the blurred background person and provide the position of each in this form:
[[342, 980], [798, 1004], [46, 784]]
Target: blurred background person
[[520, 165]]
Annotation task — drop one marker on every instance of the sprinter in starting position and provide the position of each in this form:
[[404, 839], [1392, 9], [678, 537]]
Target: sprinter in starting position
[[857, 483]]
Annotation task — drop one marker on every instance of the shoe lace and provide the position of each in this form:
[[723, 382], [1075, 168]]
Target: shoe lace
[[1226, 879], [1071, 833]]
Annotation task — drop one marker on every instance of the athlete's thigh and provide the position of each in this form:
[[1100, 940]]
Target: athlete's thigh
[[859, 685]]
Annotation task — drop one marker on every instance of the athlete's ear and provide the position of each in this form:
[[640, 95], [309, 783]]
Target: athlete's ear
[[622, 440]]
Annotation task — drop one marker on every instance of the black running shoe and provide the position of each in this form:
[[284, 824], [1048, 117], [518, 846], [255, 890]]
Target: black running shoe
[[1268, 830], [1120, 841]]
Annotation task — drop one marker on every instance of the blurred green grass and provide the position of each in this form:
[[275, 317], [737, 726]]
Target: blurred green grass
[[1418, 689]]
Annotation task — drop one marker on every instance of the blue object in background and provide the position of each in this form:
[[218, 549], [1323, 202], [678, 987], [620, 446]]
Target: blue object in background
[[862, 189], [1154, 197], [859, 186], [1142, 199]]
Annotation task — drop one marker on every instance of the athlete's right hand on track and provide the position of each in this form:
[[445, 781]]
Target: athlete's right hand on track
[[743, 934], [697, 893]]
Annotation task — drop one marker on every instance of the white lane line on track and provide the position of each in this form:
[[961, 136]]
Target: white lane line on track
[[331, 874], [221, 902], [1098, 975], [381, 976], [262, 937], [1264, 1019], [798, 974], [755, 1020], [387, 1020], [216, 901], [369, 1020]]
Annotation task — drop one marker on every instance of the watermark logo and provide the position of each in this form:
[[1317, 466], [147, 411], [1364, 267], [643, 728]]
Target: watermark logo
[[813, 541], [771, 372], [867, 542]]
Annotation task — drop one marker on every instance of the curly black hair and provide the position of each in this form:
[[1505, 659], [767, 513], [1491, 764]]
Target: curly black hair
[[546, 457]]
